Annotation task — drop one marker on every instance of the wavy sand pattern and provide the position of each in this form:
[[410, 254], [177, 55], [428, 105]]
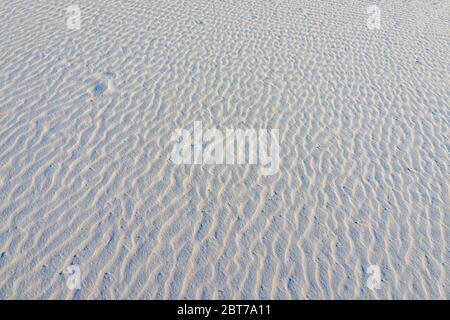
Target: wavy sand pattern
[[85, 123]]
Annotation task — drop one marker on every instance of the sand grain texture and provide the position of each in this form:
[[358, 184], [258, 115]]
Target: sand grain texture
[[85, 123]]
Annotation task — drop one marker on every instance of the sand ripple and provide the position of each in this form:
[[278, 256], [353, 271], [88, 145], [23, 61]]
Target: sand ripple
[[85, 124]]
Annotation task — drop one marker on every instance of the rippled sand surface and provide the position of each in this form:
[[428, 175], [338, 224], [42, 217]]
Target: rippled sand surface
[[86, 118]]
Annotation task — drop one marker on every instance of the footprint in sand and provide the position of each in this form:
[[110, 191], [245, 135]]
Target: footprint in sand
[[99, 88], [104, 85]]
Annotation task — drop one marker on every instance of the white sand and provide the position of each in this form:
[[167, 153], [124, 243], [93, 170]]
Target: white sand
[[85, 124]]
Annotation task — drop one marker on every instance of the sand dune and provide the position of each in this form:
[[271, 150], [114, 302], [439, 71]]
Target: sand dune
[[86, 118]]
